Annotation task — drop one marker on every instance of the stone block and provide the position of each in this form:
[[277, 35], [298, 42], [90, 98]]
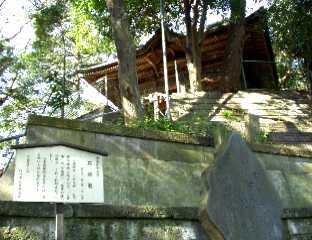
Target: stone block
[[300, 189], [95, 222], [242, 202], [113, 145], [300, 226], [183, 152], [152, 182], [286, 164], [281, 186], [44, 134]]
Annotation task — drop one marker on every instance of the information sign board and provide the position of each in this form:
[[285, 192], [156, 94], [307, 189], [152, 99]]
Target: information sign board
[[58, 174]]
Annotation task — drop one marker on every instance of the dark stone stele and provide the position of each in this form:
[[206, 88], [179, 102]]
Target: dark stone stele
[[242, 203]]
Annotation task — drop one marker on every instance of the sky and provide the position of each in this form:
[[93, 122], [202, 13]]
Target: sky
[[13, 16]]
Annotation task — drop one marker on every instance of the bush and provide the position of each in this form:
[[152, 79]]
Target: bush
[[17, 233]]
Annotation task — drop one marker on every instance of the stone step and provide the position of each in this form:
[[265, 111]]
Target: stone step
[[259, 112], [206, 109], [204, 112], [258, 97], [290, 137], [291, 127]]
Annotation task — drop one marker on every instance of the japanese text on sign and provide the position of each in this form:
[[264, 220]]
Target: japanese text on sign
[[58, 174]]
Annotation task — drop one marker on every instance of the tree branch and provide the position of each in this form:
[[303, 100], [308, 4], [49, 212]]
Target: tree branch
[[1, 3], [7, 94], [187, 17], [202, 21], [18, 32], [196, 14]]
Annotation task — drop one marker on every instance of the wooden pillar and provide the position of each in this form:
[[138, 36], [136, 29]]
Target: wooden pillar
[[243, 74], [182, 84], [164, 50], [177, 76], [59, 221], [156, 108], [105, 89]]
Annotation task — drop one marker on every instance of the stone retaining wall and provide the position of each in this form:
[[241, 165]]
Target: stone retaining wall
[[291, 176], [153, 168], [90, 222], [137, 171], [298, 222]]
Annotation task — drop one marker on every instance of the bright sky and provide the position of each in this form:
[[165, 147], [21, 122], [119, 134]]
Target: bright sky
[[13, 16], [252, 6]]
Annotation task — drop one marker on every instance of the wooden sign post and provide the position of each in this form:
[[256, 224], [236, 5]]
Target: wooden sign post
[[59, 221], [59, 173]]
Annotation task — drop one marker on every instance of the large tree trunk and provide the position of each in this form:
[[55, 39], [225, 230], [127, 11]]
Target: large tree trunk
[[194, 63], [127, 72], [233, 57]]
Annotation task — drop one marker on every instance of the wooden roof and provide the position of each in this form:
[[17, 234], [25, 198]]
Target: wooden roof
[[149, 56]]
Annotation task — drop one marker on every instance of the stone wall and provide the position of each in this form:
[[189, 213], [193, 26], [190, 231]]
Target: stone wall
[[298, 222], [291, 176], [90, 222], [161, 171], [153, 168]]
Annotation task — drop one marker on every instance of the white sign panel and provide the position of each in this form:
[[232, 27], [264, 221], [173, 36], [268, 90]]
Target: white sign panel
[[58, 174]]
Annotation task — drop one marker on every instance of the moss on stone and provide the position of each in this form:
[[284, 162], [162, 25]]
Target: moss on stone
[[118, 130], [17, 233]]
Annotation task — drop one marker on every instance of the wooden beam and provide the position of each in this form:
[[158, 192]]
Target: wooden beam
[[152, 65], [170, 50]]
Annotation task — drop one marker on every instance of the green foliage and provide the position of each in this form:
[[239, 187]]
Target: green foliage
[[33, 82], [233, 114], [262, 137], [162, 124], [48, 18], [196, 124], [228, 114], [17, 233], [237, 8], [290, 27], [143, 15], [88, 40], [6, 57]]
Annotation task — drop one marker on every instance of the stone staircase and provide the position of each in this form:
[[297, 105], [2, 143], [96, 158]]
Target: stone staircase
[[283, 117], [211, 105]]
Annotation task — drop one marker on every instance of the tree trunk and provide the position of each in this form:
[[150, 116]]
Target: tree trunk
[[194, 63], [127, 72], [233, 57], [309, 75]]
